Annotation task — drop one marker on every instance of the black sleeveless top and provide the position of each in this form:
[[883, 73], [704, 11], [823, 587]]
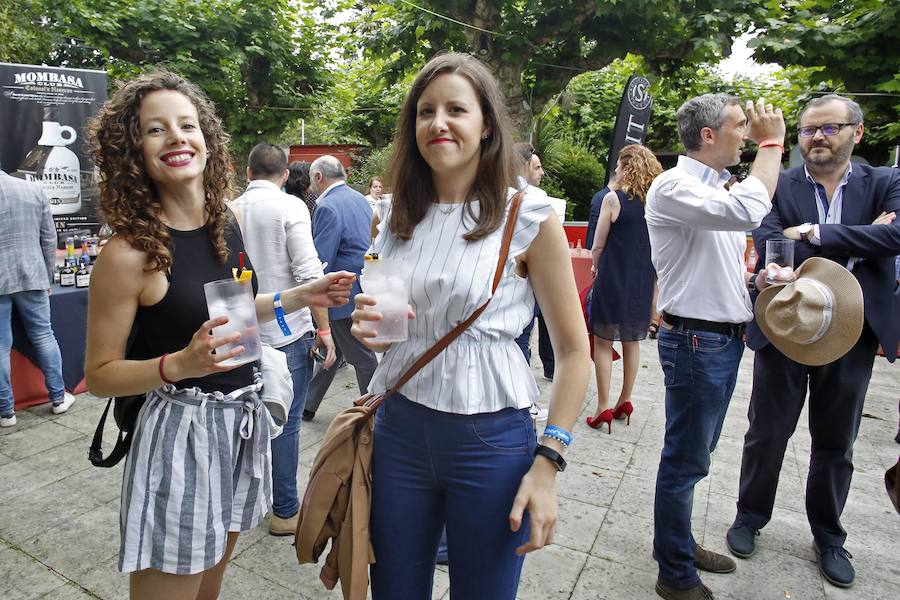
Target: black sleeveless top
[[168, 325]]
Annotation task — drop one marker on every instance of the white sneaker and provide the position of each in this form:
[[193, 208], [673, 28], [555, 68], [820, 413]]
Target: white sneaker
[[67, 401], [8, 421], [538, 413]]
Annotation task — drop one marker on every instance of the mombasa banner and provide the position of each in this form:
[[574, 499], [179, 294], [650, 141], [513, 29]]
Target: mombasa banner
[[43, 113], [632, 120]]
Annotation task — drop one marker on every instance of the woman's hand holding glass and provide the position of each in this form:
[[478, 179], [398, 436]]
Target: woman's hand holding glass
[[365, 313], [197, 359]]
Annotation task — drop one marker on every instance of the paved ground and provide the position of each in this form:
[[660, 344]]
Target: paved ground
[[59, 515]]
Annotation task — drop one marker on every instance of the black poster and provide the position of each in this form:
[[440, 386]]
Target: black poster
[[632, 120], [43, 114]]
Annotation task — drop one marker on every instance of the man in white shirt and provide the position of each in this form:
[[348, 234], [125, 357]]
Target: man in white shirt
[[278, 237], [697, 235]]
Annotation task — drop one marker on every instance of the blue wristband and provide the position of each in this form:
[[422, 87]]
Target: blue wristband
[[558, 433], [279, 315]]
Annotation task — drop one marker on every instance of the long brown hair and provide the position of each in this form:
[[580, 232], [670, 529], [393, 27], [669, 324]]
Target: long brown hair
[[129, 202], [639, 169], [410, 175]]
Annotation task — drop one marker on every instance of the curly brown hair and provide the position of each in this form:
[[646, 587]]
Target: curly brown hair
[[129, 202], [639, 169], [410, 176]]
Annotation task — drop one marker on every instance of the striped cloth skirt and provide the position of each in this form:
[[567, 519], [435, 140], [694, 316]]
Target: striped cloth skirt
[[199, 467]]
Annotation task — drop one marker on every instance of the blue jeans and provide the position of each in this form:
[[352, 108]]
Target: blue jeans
[[33, 308], [432, 469], [700, 372], [286, 447]]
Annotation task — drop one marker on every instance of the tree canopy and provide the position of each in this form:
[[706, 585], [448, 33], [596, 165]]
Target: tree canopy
[[853, 41], [247, 55], [535, 47]]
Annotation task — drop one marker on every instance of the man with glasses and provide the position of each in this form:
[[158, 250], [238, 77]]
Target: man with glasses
[[843, 212]]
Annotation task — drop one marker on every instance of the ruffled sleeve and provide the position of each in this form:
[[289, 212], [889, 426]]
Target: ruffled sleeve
[[533, 211]]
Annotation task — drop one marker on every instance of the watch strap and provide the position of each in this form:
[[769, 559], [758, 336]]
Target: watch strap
[[551, 454]]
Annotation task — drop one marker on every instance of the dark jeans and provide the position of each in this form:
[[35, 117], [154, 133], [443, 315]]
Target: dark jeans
[[286, 447], [361, 358], [837, 392], [432, 469], [700, 372]]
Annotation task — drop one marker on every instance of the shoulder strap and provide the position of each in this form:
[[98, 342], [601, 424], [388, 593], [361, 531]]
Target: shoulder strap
[[454, 333], [95, 452]]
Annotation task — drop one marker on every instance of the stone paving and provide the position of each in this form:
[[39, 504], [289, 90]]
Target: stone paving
[[59, 516]]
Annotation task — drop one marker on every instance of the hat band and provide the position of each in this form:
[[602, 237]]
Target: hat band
[[827, 312]]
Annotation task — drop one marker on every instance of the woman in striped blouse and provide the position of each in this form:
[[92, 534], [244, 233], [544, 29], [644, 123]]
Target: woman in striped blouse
[[456, 447]]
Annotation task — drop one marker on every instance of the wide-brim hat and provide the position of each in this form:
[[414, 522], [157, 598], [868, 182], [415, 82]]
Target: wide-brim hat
[[815, 319]]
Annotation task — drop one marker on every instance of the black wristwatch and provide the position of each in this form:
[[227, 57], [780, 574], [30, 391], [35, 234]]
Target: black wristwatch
[[751, 284], [552, 455]]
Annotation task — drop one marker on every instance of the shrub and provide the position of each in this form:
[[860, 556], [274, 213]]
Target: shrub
[[573, 173]]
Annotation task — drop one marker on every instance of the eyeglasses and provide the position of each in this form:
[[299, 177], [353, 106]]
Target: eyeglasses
[[828, 129]]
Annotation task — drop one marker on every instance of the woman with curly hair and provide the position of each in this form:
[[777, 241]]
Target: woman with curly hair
[[198, 471], [624, 278]]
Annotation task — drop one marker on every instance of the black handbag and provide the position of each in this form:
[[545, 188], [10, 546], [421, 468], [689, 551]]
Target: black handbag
[[125, 413]]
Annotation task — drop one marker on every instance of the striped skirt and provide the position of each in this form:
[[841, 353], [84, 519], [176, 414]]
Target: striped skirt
[[199, 467]]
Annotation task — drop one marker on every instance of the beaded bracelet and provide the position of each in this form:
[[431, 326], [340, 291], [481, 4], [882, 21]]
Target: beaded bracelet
[[559, 434]]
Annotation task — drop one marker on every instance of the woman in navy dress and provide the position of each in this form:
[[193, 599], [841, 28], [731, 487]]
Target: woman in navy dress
[[623, 281]]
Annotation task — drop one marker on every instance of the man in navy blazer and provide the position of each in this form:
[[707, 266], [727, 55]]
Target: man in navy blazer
[[341, 228], [843, 212]]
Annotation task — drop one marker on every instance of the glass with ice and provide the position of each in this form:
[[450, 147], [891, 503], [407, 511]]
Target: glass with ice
[[234, 299], [779, 261], [385, 280]]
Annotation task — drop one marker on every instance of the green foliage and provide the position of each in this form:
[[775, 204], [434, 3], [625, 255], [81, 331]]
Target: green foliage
[[855, 42], [573, 173], [23, 40], [538, 46], [369, 165], [249, 56]]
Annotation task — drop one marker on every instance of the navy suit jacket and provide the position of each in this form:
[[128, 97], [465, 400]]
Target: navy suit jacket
[[869, 191], [342, 232]]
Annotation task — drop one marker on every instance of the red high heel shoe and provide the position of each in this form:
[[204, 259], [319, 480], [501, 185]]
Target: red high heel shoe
[[605, 417], [625, 409]]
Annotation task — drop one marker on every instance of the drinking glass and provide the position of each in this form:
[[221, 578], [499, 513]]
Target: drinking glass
[[779, 261], [386, 280], [233, 299]]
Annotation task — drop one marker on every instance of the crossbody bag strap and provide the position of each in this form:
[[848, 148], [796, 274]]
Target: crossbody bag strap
[[454, 333]]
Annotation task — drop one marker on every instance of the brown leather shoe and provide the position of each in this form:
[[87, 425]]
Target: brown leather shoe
[[709, 561], [712, 562], [698, 592], [279, 526]]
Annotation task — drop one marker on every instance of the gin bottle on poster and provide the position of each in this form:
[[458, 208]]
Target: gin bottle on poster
[[55, 167]]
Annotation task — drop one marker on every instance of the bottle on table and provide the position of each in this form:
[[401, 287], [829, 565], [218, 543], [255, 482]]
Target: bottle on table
[[67, 274], [82, 275], [70, 249]]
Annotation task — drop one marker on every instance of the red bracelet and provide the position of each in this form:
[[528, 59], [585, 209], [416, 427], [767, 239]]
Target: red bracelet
[[321, 332], [771, 144], [162, 375]]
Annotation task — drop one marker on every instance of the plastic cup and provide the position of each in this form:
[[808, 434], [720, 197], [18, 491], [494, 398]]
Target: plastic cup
[[779, 261], [385, 280], [232, 299]]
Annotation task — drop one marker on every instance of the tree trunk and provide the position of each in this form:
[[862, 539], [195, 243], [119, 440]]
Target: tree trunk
[[489, 49]]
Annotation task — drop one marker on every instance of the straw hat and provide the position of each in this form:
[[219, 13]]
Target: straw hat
[[816, 319]]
